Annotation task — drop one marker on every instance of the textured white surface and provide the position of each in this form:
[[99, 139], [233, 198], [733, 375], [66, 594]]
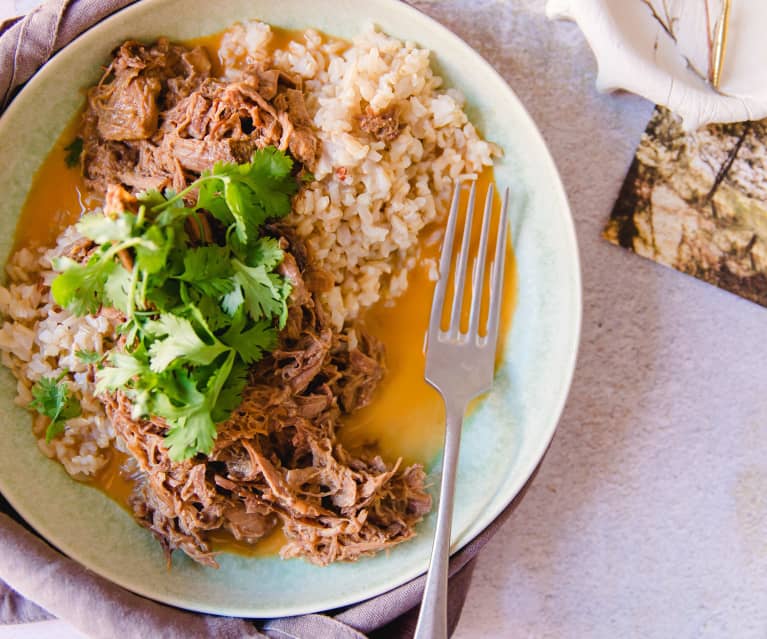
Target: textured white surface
[[649, 515], [635, 53]]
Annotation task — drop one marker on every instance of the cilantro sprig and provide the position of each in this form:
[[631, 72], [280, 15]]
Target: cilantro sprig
[[89, 357], [196, 315], [52, 398]]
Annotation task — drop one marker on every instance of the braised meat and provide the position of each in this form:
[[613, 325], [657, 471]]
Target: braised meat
[[382, 126], [157, 118], [277, 460]]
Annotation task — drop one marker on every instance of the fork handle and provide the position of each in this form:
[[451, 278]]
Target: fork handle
[[432, 619]]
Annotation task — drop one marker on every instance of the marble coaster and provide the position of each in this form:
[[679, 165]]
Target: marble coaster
[[697, 202]]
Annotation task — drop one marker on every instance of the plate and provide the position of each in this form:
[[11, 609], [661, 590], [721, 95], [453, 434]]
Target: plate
[[503, 440]]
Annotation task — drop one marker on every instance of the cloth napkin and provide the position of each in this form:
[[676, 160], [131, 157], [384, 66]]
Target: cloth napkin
[[37, 582]]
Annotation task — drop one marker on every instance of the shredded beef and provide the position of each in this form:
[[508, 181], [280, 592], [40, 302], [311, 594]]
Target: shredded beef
[[278, 460], [158, 119], [382, 126]]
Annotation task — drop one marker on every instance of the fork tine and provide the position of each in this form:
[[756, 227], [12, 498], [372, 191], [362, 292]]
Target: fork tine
[[459, 282], [478, 278], [496, 281], [435, 319]]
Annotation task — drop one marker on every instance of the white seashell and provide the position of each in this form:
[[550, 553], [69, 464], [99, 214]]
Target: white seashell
[[634, 53]]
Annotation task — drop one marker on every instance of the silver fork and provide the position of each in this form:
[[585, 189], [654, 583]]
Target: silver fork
[[460, 366]]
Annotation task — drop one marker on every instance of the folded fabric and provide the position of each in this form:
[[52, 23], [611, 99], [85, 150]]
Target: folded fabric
[[31, 570]]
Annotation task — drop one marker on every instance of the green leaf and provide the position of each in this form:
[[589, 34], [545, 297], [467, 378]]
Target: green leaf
[[218, 381], [52, 398], [165, 296], [102, 228], [211, 192], [247, 211], [230, 396], [150, 197], [232, 302], [251, 192], [191, 435], [117, 288], [268, 175], [285, 287], [141, 401], [196, 316], [73, 152], [269, 163], [182, 342], [179, 396], [193, 430], [252, 342], [266, 251], [265, 293], [212, 313], [80, 287], [124, 368], [153, 256], [209, 269], [89, 357], [173, 214]]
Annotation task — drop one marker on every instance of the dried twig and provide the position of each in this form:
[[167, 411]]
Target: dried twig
[[721, 174], [668, 23], [668, 28], [709, 38], [720, 44]]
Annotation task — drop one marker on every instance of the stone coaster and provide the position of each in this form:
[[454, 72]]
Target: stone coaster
[[697, 202]]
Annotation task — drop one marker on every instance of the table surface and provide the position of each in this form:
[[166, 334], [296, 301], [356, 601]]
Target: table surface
[[649, 515]]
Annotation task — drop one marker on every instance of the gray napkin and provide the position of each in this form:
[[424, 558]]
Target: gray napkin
[[32, 571]]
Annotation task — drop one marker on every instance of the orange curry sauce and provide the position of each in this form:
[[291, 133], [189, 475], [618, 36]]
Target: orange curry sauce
[[406, 418]]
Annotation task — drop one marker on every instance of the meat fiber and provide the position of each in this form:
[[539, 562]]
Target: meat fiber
[[382, 126], [278, 460], [158, 119]]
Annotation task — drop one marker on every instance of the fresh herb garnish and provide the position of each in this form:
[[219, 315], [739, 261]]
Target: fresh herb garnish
[[53, 399], [89, 357], [74, 150], [196, 314]]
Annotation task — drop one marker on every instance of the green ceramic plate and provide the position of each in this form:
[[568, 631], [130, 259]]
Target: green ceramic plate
[[502, 441]]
